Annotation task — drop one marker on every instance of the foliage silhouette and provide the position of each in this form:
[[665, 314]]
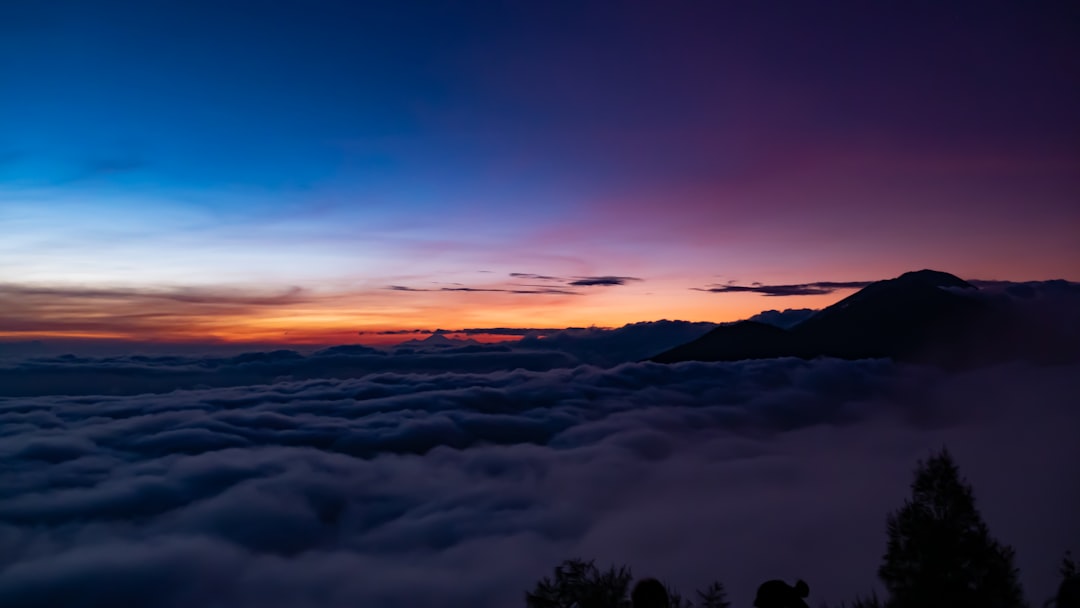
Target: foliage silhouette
[[714, 596], [650, 593], [871, 601], [778, 594], [1068, 567], [940, 552], [1068, 593], [580, 584], [677, 600]]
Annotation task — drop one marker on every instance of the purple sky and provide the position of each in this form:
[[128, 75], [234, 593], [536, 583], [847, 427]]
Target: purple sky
[[289, 161]]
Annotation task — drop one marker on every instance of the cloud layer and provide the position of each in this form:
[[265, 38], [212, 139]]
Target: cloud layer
[[801, 289], [454, 488], [537, 350]]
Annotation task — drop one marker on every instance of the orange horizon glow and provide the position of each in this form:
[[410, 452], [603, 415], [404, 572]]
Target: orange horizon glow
[[379, 315], [342, 319], [336, 320]]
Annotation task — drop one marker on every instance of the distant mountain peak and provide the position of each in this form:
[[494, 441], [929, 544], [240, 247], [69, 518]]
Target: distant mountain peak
[[899, 317], [438, 340], [934, 278]]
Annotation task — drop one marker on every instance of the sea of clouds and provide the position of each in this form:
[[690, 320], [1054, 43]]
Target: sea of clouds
[[438, 487]]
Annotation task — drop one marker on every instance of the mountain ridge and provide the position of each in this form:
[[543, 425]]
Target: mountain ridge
[[924, 315]]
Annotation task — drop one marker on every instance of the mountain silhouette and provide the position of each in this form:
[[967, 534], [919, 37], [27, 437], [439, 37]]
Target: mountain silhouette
[[437, 341], [926, 315]]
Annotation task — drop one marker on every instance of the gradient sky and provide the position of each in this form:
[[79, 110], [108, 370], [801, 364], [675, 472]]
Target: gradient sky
[[301, 171]]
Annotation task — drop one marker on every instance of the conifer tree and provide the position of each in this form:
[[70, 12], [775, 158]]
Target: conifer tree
[[1068, 593], [714, 596], [940, 553]]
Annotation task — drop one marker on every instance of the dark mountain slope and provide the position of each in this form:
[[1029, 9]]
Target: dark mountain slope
[[742, 340], [923, 315], [902, 318]]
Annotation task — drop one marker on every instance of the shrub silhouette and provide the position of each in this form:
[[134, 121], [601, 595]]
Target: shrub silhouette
[[871, 601], [1068, 567], [580, 584], [940, 552], [778, 594], [650, 593]]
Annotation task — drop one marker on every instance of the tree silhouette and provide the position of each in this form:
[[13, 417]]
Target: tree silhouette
[[714, 596], [870, 601], [1068, 593], [940, 553], [675, 599], [580, 584], [651, 593], [1068, 566]]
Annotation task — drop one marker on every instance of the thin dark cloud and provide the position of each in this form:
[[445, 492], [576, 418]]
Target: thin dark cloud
[[187, 295], [504, 331], [1029, 289], [499, 331], [530, 291], [604, 281], [535, 277], [470, 331], [545, 287], [799, 289]]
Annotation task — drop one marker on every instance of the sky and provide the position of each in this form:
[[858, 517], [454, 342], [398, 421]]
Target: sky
[[303, 171]]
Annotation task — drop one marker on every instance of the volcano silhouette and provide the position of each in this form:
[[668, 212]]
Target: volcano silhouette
[[922, 315]]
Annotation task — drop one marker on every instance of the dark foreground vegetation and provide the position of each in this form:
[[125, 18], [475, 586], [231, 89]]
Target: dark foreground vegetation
[[939, 554]]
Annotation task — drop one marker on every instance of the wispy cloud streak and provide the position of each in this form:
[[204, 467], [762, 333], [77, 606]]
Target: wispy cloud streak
[[800, 289]]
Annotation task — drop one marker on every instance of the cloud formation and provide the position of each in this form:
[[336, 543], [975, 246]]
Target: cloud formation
[[535, 277], [154, 312], [604, 281], [187, 295], [801, 289], [463, 488], [158, 373], [525, 291]]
